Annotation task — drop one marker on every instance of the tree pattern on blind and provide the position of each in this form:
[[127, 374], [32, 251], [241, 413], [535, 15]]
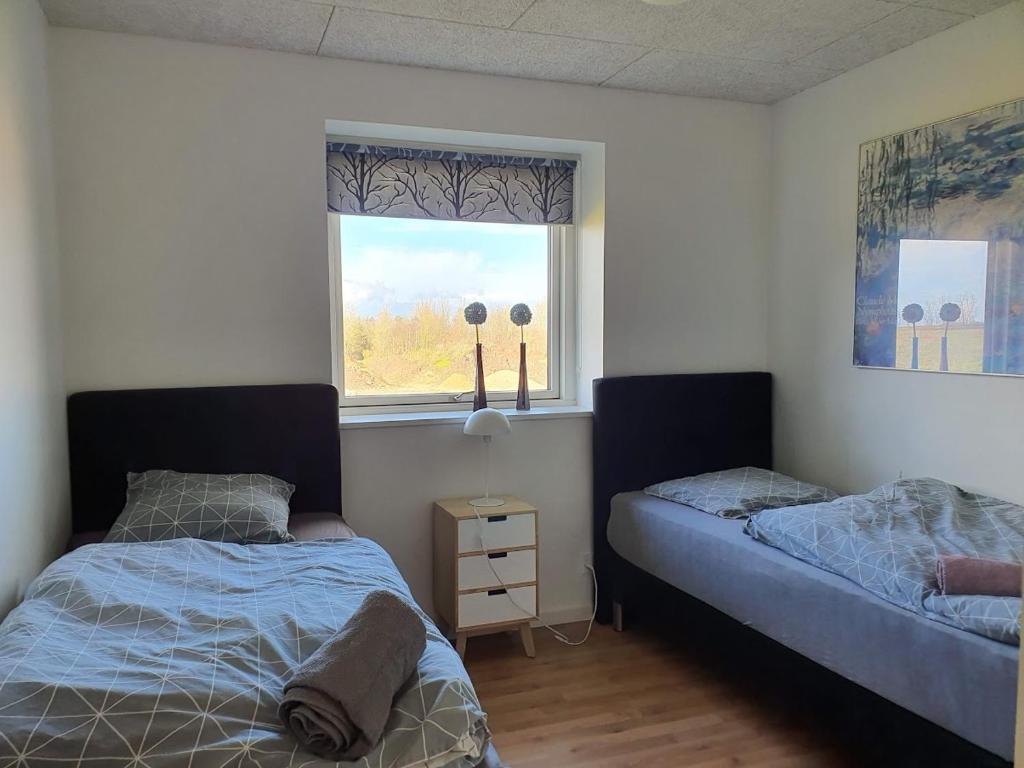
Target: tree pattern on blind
[[372, 180]]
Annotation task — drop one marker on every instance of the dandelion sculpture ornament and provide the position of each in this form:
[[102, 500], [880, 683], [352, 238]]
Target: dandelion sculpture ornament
[[476, 315], [948, 313], [913, 314], [521, 316]]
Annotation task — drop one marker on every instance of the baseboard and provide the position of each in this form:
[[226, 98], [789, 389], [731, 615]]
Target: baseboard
[[567, 615]]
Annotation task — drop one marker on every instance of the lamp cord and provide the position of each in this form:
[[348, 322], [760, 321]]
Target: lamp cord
[[487, 474], [559, 636]]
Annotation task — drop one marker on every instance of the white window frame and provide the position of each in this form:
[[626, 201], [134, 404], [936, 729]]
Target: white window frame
[[562, 338]]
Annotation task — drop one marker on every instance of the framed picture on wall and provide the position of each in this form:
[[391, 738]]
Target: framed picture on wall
[[940, 246]]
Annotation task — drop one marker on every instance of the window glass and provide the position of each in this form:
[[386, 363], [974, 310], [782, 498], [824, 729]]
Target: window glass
[[404, 285]]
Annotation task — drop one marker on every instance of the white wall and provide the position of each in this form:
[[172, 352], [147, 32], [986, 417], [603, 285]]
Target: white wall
[[191, 193], [390, 476], [33, 467], [851, 428]]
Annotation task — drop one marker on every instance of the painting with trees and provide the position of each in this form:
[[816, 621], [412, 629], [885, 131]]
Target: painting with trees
[[940, 246]]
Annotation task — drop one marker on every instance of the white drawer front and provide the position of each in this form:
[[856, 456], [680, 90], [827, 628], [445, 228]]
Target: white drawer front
[[479, 608], [498, 534], [518, 567]]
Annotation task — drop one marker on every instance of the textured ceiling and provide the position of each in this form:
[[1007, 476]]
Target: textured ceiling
[[747, 50]]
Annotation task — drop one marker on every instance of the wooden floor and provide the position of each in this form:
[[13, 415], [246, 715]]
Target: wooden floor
[[641, 698]]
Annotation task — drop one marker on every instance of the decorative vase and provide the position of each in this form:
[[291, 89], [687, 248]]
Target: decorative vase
[[521, 316], [476, 315], [480, 391], [523, 398]]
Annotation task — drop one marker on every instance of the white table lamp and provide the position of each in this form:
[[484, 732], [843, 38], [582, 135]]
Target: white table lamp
[[486, 423]]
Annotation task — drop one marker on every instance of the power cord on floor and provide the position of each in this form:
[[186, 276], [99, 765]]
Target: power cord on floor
[[558, 635]]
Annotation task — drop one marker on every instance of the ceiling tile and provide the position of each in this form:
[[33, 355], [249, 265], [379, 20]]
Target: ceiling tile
[[751, 50], [885, 36], [765, 30], [283, 25], [970, 7], [777, 30], [372, 36], [613, 20], [491, 13], [691, 74]]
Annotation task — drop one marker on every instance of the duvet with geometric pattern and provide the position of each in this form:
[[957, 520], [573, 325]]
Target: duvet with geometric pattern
[[174, 653], [888, 541]]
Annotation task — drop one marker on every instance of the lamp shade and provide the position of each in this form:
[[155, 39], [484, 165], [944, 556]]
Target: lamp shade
[[487, 422]]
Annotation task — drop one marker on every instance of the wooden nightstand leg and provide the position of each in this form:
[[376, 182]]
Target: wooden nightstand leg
[[526, 635], [460, 643]]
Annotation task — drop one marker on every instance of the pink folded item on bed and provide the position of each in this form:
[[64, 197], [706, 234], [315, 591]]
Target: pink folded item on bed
[[962, 575]]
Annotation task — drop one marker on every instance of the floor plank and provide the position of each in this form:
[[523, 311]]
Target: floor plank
[[644, 699]]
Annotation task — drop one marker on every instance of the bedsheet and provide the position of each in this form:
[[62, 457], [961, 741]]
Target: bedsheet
[[175, 653], [888, 542]]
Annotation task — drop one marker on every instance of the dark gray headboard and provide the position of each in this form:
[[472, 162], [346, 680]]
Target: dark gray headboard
[[289, 431], [653, 428]]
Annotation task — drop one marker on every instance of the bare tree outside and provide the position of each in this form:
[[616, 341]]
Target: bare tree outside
[[969, 308]]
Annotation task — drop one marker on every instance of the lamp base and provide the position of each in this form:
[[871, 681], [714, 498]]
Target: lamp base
[[487, 501]]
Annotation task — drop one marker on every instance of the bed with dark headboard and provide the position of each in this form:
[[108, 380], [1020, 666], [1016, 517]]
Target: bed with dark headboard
[[227, 621], [649, 429], [653, 428], [289, 431]]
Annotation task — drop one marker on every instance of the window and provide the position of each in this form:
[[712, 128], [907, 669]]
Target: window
[[400, 288]]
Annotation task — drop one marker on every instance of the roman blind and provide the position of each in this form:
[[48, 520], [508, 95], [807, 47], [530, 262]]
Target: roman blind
[[370, 180]]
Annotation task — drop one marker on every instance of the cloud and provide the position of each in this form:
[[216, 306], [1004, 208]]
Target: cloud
[[397, 263], [399, 278]]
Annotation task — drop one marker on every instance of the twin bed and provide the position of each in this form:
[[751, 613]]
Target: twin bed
[[651, 428], [175, 652]]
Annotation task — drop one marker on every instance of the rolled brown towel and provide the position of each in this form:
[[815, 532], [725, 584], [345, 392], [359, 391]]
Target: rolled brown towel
[[962, 575], [339, 700]]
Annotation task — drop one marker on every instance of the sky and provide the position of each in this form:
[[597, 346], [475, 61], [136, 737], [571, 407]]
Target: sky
[[933, 269], [395, 263]]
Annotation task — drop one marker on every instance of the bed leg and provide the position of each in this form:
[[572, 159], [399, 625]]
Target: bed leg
[[460, 643], [617, 615]]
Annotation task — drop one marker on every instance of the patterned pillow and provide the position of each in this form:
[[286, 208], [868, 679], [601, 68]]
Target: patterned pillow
[[240, 509], [738, 493]]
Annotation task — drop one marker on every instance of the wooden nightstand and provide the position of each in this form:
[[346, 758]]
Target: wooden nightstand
[[479, 592]]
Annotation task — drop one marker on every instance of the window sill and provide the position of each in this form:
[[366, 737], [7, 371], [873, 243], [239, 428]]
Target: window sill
[[431, 418]]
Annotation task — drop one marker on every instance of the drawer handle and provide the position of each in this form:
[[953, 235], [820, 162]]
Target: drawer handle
[[497, 519], [492, 592], [496, 555]]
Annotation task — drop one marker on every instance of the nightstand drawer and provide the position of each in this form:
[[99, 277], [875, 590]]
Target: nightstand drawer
[[494, 607], [500, 532], [516, 567]]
